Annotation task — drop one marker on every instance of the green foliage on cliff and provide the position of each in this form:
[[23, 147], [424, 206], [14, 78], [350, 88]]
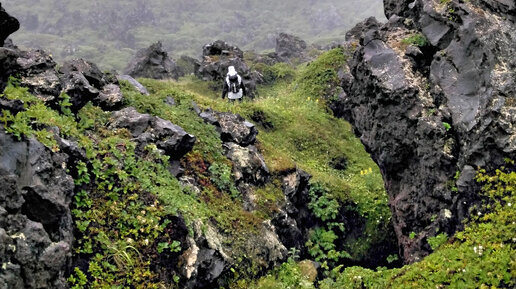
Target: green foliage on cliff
[[125, 206], [481, 256]]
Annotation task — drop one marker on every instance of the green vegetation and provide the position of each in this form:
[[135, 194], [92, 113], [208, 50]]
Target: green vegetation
[[481, 256], [303, 134], [437, 241], [319, 78], [416, 39], [125, 205], [446, 126]]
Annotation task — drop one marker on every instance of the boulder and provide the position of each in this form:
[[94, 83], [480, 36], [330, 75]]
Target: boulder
[[36, 228], [356, 32], [248, 164], [37, 71], [222, 48], [153, 62], [83, 82], [8, 25], [289, 47], [429, 113], [217, 57], [209, 259], [294, 220], [232, 127], [110, 97], [146, 129]]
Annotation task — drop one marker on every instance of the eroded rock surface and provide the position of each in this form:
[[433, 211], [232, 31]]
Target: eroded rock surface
[[147, 129], [430, 114], [36, 229], [153, 62]]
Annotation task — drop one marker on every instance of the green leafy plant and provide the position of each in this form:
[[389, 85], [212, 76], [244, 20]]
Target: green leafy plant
[[221, 176], [78, 280], [447, 126], [174, 246], [322, 203], [437, 241], [416, 39]]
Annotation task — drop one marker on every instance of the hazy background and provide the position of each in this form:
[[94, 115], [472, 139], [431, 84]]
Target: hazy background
[[108, 32]]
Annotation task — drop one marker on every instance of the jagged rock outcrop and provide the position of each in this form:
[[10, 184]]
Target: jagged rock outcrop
[[295, 219], [209, 257], [232, 127], [83, 82], [153, 62], [248, 164], [36, 228], [431, 113], [147, 129], [217, 57], [8, 25], [364, 26], [289, 47]]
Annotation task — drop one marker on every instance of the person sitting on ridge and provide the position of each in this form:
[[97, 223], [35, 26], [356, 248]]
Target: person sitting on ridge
[[233, 85]]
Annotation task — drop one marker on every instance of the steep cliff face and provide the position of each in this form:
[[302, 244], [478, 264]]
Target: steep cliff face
[[431, 94]]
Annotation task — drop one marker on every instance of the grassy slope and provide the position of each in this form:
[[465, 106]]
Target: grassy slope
[[124, 204]]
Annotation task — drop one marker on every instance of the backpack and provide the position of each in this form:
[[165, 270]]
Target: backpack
[[234, 83]]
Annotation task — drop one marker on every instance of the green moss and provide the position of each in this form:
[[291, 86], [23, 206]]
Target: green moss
[[416, 39], [318, 79]]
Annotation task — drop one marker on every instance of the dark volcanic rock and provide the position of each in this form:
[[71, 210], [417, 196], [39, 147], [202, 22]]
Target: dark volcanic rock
[[290, 46], [295, 219], [364, 26], [110, 98], [80, 79], [8, 25], [83, 82], [153, 62], [8, 64], [217, 57], [232, 127], [220, 47], [35, 220], [90, 71], [37, 71], [209, 258], [248, 164], [428, 114], [146, 129]]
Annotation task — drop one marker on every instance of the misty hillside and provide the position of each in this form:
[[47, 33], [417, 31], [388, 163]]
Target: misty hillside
[[109, 32]]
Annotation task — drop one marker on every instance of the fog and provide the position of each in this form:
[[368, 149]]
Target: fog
[[109, 32]]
